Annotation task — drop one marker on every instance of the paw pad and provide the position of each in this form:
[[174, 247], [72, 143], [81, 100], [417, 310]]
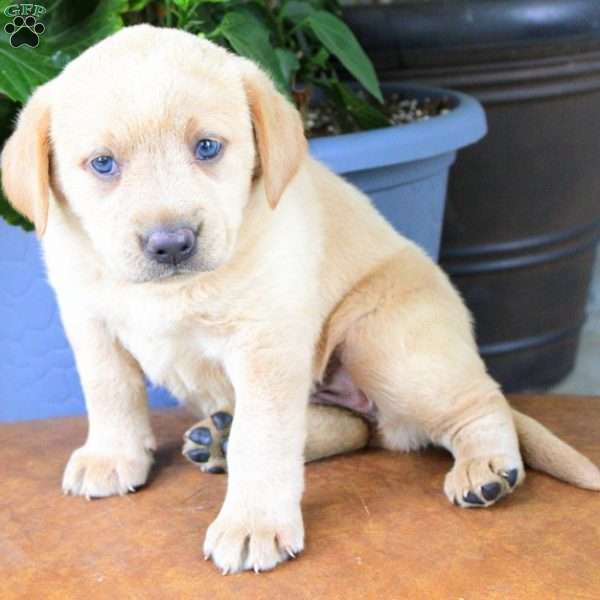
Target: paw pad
[[222, 420], [490, 491], [205, 444], [473, 498], [198, 455], [201, 435], [216, 470], [511, 476]]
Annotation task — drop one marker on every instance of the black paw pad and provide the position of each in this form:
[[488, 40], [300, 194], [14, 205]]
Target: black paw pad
[[221, 420], [201, 435], [490, 491], [198, 455], [511, 476], [216, 470], [224, 445], [472, 498]]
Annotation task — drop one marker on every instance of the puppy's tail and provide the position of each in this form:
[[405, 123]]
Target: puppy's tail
[[543, 451]]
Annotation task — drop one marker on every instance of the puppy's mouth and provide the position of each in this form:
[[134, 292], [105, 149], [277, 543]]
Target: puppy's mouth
[[167, 272], [175, 272]]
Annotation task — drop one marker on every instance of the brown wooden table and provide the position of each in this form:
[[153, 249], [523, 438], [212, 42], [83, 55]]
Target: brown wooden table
[[378, 526]]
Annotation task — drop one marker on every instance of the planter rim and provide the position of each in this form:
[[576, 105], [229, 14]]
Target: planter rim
[[484, 24], [463, 125]]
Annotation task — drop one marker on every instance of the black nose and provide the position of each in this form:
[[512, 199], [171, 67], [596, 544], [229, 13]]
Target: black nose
[[170, 245]]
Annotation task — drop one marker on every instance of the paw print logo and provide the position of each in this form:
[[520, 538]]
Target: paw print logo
[[24, 31]]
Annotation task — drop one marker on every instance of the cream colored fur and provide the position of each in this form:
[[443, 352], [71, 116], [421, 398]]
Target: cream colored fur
[[294, 263]]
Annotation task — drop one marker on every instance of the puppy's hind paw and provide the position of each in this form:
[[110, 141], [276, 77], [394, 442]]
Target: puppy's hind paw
[[481, 482], [205, 444]]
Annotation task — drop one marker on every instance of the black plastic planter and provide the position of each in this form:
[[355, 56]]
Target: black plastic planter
[[523, 212]]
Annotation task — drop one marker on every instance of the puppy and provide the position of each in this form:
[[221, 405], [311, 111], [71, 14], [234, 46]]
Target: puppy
[[189, 236]]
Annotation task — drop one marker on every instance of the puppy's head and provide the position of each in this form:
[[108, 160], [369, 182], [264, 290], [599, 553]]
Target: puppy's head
[[152, 142]]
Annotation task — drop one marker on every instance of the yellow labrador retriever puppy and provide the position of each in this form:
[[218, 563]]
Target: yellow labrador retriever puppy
[[189, 236]]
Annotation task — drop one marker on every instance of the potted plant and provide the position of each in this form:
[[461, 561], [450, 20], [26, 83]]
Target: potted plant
[[522, 219], [305, 47]]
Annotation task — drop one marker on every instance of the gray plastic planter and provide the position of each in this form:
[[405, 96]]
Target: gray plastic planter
[[404, 169]]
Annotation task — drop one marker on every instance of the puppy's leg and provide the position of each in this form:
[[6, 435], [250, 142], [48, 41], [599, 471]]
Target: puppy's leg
[[410, 349], [483, 441], [333, 430], [260, 523], [457, 408], [330, 431], [117, 454]]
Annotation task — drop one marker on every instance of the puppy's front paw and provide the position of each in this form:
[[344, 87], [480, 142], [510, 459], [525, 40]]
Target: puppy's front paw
[[250, 540], [95, 474]]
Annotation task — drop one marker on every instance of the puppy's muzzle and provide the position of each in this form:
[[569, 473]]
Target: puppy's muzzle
[[168, 245]]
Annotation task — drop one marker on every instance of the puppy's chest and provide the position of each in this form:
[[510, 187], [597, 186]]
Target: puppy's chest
[[182, 358]]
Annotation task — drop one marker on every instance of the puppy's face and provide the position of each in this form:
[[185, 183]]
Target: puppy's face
[[155, 158], [155, 138]]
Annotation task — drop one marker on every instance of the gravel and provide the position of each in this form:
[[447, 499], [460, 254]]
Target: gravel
[[400, 110]]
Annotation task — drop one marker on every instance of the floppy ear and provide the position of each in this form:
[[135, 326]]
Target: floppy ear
[[278, 129], [24, 162]]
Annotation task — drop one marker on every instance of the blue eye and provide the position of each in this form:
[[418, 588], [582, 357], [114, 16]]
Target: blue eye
[[207, 149], [104, 165]]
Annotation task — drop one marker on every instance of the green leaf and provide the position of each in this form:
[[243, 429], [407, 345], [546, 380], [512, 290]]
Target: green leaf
[[288, 63], [8, 114], [296, 11], [340, 41], [256, 10], [69, 31], [188, 3], [70, 41], [136, 5], [20, 74], [251, 38], [11, 216], [366, 115], [320, 58]]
